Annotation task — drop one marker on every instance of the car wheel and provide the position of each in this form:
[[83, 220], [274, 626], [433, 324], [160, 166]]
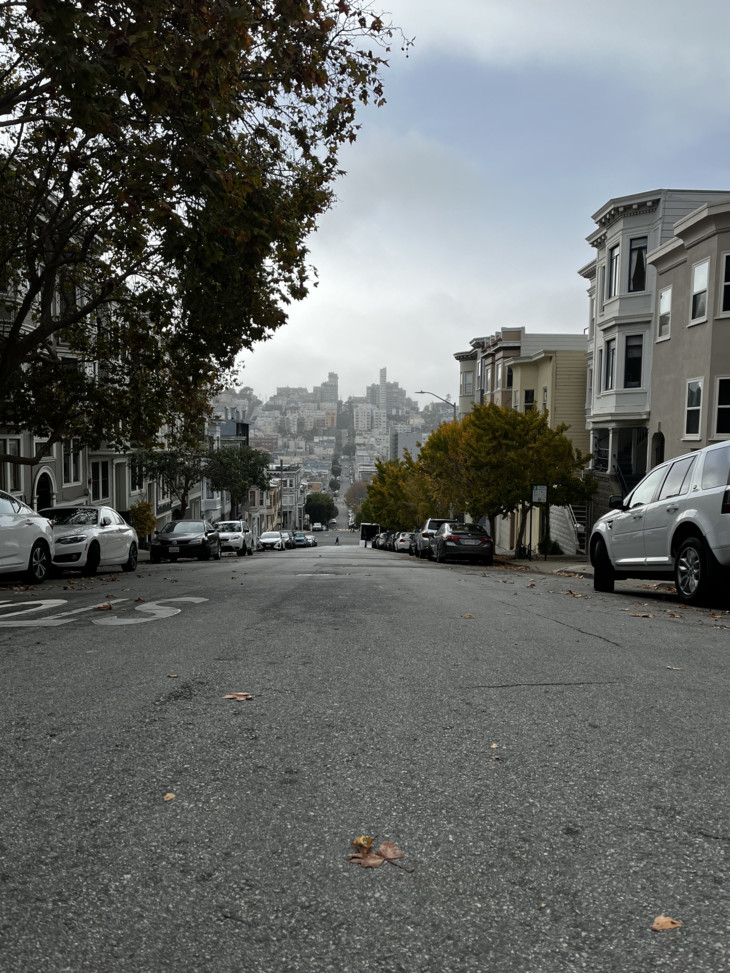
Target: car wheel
[[92, 561], [250, 551], [241, 552], [604, 576], [131, 563], [39, 563], [691, 571]]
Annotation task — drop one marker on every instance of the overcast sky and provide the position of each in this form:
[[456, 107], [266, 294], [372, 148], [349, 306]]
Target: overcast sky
[[468, 197]]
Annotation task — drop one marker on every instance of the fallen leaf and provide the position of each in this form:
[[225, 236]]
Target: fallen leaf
[[674, 668], [470, 616], [239, 697], [495, 756], [530, 585], [366, 861], [665, 922], [169, 796], [494, 746], [102, 608], [363, 844], [674, 615], [642, 615], [171, 675], [387, 851], [138, 599]]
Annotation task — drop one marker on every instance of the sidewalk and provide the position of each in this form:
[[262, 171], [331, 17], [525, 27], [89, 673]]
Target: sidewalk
[[554, 564]]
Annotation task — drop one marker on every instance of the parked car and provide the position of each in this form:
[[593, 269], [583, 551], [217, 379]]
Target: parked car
[[300, 540], [403, 541], [317, 526], [311, 540], [422, 545], [26, 540], [186, 538], [272, 540], [87, 537], [468, 542], [235, 536], [674, 525]]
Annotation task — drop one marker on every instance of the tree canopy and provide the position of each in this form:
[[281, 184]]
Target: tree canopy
[[162, 165], [320, 508], [235, 469]]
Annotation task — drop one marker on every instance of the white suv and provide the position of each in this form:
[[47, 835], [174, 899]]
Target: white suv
[[674, 525], [26, 539]]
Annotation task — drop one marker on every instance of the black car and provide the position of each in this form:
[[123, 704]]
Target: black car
[[186, 538], [464, 541]]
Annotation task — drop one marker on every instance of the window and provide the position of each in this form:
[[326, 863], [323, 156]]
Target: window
[[99, 479], [529, 399], [10, 472], [589, 386], [637, 264], [602, 285], [700, 274], [599, 371], [665, 313], [467, 383], [136, 475], [632, 361], [498, 383], [715, 470], [677, 481], [644, 493], [725, 296], [544, 398], [610, 363], [71, 462], [722, 421], [693, 408], [613, 272], [515, 399], [509, 376], [488, 378]]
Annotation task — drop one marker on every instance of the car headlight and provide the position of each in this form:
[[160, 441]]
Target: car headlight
[[73, 539]]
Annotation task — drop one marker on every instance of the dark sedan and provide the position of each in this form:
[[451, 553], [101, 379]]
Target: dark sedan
[[186, 538], [463, 541]]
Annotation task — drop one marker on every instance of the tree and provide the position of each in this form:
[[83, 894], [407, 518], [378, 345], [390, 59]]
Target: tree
[[320, 508], [355, 495], [399, 496], [235, 469], [178, 470], [162, 165], [336, 470], [334, 485]]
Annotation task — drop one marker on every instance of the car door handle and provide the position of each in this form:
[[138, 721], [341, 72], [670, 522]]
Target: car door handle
[[673, 508]]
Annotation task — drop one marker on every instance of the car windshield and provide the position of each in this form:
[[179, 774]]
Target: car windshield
[[269, 536], [78, 516], [184, 527], [229, 525]]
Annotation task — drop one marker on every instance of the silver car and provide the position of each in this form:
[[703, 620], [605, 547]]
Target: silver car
[[87, 537], [26, 540], [235, 536], [675, 525]]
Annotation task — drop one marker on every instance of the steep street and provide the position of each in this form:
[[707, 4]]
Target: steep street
[[553, 763]]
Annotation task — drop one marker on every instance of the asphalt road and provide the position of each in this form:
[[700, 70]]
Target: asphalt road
[[553, 762]]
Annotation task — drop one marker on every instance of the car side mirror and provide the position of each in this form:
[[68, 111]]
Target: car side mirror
[[616, 502], [105, 522]]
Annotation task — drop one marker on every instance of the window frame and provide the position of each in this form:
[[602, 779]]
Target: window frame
[[98, 479], [695, 408], [609, 363], [627, 339], [614, 271], [716, 434], [11, 479], [695, 293], [637, 250], [71, 462], [668, 335], [724, 288]]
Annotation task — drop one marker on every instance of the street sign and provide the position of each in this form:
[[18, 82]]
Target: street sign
[[539, 492]]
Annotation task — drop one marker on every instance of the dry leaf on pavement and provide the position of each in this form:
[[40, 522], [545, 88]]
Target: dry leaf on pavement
[[365, 857], [665, 922], [169, 796], [470, 616], [239, 697]]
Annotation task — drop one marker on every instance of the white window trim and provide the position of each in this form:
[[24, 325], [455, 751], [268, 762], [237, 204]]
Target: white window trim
[[718, 436], [692, 292], [668, 335], [725, 255], [693, 436]]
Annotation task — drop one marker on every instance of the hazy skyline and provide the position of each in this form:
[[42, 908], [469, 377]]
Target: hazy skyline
[[468, 197]]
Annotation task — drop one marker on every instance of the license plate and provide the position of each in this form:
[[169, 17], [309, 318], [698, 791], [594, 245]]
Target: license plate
[[173, 548], [469, 541]]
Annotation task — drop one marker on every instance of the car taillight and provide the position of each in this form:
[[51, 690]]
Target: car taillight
[[425, 535], [726, 502], [486, 540], [450, 537]]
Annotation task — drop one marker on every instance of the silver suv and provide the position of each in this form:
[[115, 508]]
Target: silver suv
[[422, 537], [674, 525]]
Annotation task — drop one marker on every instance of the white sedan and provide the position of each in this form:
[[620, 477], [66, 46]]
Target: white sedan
[[272, 540], [87, 537], [26, 539]]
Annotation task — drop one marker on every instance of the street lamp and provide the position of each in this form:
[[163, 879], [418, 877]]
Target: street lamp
[[452, 404]]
